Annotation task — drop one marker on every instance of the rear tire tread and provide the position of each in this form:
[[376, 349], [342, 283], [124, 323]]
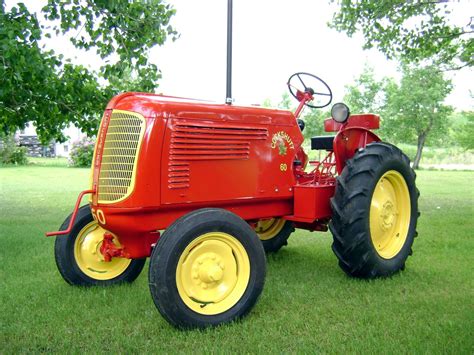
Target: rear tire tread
[[351, 240]]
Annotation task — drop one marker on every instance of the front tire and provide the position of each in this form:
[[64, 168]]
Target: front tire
[[208, 268], [79, 260], [375, 212]]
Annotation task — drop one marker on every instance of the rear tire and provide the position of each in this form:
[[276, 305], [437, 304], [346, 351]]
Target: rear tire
[[208, 268], [274, 233], [79, 260], [375, 212]]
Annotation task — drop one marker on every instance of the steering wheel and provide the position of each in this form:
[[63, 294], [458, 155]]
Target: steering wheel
[[318, 89]]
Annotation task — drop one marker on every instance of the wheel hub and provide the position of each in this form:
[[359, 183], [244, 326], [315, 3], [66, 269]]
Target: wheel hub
[[88, 256], [208, 269], [387, 216], [212, 273], [390, 214]]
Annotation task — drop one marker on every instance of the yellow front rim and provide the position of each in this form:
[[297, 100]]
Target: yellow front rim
[[269, 228], [213, 273], [390, 212], [89, 258]]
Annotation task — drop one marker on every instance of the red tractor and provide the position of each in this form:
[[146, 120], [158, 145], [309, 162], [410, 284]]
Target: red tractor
[[226, 184]]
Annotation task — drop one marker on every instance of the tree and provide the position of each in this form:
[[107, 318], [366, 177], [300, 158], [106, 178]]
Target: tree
[[410, 30], [465, 134], [40, 86], [314, 122], [367, 94], [286, 102], [414, 108]]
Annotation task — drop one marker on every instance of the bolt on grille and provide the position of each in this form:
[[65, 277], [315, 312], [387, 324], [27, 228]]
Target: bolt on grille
[[120, 155]]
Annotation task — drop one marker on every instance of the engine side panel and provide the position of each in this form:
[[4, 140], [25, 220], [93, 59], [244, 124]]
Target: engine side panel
[[214, 160]]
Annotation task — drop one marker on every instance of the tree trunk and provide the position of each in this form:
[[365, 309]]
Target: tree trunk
[[421, 144]]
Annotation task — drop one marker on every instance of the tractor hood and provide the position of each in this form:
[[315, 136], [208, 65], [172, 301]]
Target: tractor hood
[[159, 106]]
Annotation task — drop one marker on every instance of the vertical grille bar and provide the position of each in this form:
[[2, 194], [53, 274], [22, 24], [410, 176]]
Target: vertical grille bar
[[120, 155]]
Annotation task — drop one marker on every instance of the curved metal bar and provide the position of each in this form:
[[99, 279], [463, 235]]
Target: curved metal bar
[[74, 214]]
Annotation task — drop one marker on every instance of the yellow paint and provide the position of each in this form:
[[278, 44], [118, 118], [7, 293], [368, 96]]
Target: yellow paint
[[101, 217], [213, 273], [269, 228], [390, 212], [283, 167], [282, 135], [91, 175], [89, 258], [93, 214], [118, 181]]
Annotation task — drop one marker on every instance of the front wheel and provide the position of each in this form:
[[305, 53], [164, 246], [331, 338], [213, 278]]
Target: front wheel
[[79, 260], [375, 211], [208, 268]]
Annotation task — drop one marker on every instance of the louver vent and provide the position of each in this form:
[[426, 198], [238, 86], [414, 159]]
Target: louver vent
[[191, 142], [120, 155], [178, 175]]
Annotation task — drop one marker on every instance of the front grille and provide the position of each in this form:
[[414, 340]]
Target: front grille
[[120, 155]]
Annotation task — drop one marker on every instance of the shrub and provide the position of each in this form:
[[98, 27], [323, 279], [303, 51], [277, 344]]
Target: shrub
[[11, 153], [82, 153]]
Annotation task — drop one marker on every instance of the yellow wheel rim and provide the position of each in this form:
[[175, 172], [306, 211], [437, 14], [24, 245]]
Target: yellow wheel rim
[[390, 212], [213, 273], [269, 228], [89, 258]]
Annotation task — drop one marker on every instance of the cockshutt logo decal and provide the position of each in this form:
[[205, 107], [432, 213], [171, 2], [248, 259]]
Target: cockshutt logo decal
[[282, 141]]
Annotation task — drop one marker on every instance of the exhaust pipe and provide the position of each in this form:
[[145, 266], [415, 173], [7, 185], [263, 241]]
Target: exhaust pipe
[[228, 99]]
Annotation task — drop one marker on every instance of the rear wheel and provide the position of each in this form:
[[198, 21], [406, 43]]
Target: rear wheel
[[79, 260], [375, 211], [208, 268], [274, 233]]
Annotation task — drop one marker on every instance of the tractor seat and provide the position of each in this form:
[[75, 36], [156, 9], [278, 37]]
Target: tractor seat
[[322, 142]]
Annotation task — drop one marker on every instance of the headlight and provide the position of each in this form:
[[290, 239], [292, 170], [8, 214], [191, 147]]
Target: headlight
[[340, 112]]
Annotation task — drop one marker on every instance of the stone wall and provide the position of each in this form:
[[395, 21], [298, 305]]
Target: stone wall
[[35, 149]]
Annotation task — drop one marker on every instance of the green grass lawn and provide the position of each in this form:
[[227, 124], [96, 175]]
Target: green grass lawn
[[308, 304], [56, 162]]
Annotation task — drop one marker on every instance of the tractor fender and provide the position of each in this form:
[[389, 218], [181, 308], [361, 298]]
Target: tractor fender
[[348, 141]]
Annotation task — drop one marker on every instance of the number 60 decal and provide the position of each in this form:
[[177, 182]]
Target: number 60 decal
[[98, 216]]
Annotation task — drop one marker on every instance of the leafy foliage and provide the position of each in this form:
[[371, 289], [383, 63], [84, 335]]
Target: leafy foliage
[[465, 136], [11, 153], [314, 120], [409, 30], [82, 153], [415, 106], [366, 94], [412, 111], [41, 86], [123, 28]]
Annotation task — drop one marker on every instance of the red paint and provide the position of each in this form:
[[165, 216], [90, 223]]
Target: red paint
[[348, 141], [367, 121], [312, 201], [99, 151], [303, 98], [248, 160], [109, 250]]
